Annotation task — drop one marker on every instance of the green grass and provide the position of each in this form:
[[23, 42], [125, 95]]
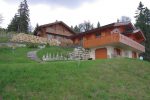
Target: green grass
[[112, 79], [18, 55], [4, 39], [54, 50]]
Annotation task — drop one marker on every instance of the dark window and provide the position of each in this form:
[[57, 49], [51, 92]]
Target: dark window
[[97, 35]]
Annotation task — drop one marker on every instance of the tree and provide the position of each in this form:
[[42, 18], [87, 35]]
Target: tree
[[36, 28], [98, 24], [86, 26], [20, 22], [143, 22], [13, 26], [76, 29]]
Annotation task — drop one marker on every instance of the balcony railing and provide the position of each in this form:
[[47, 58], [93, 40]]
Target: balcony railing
[[131, 43], [113, 39]]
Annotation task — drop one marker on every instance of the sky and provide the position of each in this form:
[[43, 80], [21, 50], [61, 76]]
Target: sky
[[72, 12]]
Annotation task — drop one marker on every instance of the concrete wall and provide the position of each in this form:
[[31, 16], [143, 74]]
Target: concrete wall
[[111, 52]]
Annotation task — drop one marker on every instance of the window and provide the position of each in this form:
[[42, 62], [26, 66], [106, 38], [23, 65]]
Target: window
[[97, 35]]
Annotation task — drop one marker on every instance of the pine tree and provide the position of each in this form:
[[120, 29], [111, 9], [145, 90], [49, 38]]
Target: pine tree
[[140, 20], [98, 24], [20, 23], [13, 26], [76, 29], [36, 28], [24, 17], [143, 22]]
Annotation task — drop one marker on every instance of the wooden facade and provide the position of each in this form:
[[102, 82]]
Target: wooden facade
[[57, 30]]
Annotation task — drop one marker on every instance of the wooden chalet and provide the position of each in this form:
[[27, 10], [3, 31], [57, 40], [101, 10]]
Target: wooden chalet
[[120, 39], [57, 30]]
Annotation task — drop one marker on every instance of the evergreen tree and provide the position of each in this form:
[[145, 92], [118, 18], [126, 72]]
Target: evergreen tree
[[36, 28], [13, 26], [143, 22], [98, 24], [140, 20], [76, 29], [20, 22]]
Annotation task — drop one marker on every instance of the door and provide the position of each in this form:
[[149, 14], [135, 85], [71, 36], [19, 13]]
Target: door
[[101, 53], [134, 55]]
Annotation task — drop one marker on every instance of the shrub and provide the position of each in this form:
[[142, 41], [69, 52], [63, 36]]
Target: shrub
[[32, 45]]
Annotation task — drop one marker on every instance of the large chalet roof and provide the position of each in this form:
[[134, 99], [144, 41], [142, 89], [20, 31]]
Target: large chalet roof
[[55, 23]]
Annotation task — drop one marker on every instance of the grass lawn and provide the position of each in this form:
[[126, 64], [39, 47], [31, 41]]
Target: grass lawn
[[18, 55], [4, 39], [112, 79]]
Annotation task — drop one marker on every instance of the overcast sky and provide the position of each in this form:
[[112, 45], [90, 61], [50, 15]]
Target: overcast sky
[[72, 12]]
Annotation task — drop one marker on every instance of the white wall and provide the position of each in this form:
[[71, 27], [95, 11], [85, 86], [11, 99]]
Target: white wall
[[127, 53], [110, 52]]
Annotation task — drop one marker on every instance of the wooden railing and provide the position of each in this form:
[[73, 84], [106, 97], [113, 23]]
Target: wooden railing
[[111, 39], [131, 43]]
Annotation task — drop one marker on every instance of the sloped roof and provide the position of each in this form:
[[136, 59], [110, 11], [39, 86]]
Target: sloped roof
[[112, 25], [55, 23]]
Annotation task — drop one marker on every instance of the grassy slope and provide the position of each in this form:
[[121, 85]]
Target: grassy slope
[[18, 55], [115, 79], [4, 39]]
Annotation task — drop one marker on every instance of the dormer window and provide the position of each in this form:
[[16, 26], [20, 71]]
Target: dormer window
[[97, 35]]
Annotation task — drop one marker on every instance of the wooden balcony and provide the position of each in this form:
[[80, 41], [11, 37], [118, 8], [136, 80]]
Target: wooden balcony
[[114, 39]]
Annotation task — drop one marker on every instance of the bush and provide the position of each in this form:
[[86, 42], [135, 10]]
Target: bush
[[32, 45]]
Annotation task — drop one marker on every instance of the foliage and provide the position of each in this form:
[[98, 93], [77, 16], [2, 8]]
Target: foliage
[[32, 45], [143, 22], [77, 29], [86, 26], [83, 27], [98, 24], [20, 22], [36, 29]]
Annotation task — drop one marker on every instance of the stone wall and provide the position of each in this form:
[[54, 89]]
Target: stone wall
[[40, 40]]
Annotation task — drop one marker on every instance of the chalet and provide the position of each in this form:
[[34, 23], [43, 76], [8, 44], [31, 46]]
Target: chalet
[[119, 39], [57, 30]]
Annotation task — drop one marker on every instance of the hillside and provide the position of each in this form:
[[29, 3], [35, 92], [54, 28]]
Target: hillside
[[112, 79]]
